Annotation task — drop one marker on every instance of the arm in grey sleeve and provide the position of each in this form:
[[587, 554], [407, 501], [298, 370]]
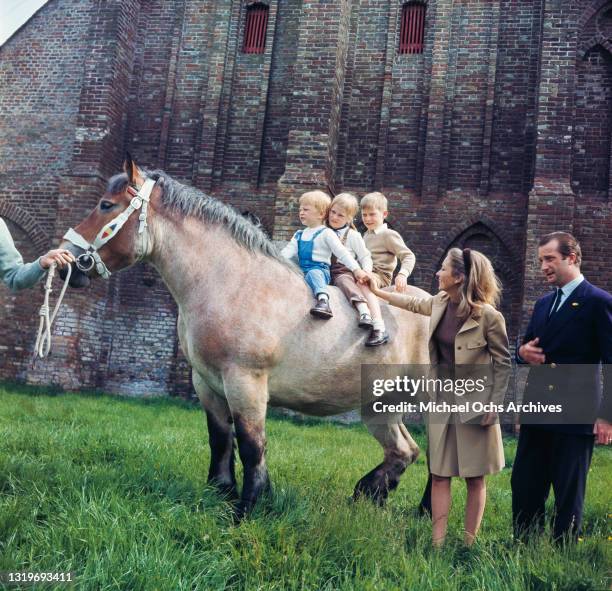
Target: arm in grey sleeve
[[15, 274]]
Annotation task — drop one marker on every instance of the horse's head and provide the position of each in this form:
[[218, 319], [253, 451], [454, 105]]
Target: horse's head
[[115, 234]]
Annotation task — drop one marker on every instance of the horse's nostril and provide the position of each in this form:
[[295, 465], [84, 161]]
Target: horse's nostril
[[78, 279], [63, 272]]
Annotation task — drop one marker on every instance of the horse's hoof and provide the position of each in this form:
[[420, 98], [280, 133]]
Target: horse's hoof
[[375, 494], [241, 511], [423, 511], [229, 492]]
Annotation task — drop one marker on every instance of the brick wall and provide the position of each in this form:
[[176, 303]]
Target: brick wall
[[41, 72], [497, 133], [284, 53], [41, 76], [516, 94]]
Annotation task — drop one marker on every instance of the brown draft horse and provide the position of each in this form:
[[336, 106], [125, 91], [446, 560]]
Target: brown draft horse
[[244, 325]]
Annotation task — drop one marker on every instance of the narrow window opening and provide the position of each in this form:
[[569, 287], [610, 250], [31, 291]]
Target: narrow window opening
[[412, 28], [255, 29]]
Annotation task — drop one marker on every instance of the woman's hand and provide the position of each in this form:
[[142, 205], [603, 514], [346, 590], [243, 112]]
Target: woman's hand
[[60, 256], [488, 419]]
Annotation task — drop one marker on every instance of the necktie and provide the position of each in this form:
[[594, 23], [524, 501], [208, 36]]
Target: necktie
[[555, 305]]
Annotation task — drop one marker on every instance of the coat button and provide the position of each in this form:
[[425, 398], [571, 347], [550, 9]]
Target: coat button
[[553, 365], [551, 387], [459, 347]]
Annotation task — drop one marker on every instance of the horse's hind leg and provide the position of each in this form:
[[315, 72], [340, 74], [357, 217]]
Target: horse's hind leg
[[247, 395], [400, 450], [221, 438]]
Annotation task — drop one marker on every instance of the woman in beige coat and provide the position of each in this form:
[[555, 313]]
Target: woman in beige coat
[[465, 330]]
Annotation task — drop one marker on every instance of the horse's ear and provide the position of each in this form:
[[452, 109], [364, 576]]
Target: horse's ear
[[134, 175]]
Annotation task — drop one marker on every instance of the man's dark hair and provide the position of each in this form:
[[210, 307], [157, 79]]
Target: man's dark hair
[[567, 244]]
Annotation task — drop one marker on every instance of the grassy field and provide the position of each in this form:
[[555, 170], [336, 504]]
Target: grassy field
[[114, 490]]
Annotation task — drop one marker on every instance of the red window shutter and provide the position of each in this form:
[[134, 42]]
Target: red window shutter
[[255, 29], [412, 27]]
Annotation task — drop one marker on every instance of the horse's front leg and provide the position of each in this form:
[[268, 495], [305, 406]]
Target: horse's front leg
[[400, 450], [220, 437], [246, 391]]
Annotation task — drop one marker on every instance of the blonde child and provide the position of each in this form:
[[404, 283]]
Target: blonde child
[[386, 247], [313, 248], [342, 211]]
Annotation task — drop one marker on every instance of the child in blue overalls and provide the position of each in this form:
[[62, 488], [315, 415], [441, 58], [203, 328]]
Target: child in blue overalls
[[313, 247]]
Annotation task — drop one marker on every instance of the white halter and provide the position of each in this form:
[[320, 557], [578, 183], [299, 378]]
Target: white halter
[[90, 258]]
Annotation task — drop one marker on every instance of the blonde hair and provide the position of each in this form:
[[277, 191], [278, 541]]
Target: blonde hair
[[375, 200], [480, 283], [318, 199], [348, 202]]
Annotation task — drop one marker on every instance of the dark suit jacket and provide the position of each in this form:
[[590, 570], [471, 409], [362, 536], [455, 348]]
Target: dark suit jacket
[[579, 335]]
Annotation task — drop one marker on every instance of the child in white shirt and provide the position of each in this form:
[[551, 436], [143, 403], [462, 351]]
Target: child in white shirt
[[342, 211]]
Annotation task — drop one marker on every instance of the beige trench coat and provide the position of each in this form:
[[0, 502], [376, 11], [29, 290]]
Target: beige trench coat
[[481, 345]]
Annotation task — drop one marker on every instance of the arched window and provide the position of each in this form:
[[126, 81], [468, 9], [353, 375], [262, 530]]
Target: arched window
[[255, 28], [412, 29]]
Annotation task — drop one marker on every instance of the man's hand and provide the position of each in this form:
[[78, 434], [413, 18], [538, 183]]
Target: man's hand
[[60, 256], [400, 283], [603, 432], [531, 353], [360, 275]]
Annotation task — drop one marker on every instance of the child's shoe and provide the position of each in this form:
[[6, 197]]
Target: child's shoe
[[365, 320], [322, 309], [377, 337]]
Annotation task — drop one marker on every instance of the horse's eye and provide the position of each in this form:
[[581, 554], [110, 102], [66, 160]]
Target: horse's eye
[[106, 205]]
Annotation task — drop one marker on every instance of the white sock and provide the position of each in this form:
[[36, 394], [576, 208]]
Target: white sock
[[323, 296], [362, 308], [378, 324]]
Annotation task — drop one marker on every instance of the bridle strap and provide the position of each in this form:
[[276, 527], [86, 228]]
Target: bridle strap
[[140, 201]]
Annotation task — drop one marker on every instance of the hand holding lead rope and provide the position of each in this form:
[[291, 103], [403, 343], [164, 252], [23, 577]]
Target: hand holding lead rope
[[43, 338]]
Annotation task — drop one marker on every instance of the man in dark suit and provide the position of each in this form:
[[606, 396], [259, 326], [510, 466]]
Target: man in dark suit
[[571, 325]]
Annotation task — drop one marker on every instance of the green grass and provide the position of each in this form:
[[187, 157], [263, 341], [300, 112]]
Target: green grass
[[115, 491]]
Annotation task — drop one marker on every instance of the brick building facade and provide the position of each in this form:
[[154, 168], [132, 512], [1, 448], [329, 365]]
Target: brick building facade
[[496, 133]]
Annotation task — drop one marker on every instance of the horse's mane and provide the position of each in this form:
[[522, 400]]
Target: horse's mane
[[190, 202]]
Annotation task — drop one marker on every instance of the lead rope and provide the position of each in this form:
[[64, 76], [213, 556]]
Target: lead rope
[[43, 339]]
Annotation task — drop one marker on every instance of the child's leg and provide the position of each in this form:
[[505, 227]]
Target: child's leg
[[379, 335], [352, 291], [317, 281], [373, 303]]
